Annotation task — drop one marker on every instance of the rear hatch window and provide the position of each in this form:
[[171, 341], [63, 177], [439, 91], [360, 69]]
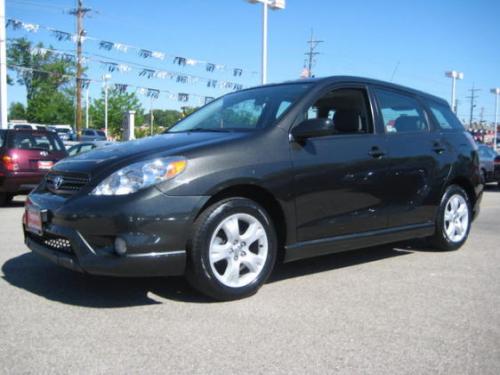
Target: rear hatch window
[[35, 141]]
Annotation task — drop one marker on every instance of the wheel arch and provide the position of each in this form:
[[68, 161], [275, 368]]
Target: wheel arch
[[264, 198]]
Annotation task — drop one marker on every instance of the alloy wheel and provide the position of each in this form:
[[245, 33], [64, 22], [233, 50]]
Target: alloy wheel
[[238, 250], [456, 218]]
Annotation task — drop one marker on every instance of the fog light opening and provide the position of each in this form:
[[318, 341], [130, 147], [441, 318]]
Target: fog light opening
[[120, 246]]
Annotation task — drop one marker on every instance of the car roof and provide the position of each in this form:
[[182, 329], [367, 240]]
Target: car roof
[[362, 80]]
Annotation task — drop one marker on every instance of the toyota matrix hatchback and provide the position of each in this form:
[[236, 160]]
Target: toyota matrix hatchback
[[26, 155], [285, 171]]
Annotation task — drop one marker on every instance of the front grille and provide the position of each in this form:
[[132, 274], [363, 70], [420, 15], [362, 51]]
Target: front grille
[[65, 183], [58, 244], [53, 242]]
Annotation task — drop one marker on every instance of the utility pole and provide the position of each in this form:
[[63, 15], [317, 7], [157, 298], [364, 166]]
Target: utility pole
[[79, 12], [472, 98], [3, 69], [312, 53]]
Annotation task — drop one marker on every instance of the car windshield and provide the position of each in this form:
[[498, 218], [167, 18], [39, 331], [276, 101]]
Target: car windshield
[[247, 110], [35, 141]]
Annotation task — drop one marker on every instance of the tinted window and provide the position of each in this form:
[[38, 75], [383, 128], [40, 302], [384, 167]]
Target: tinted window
[[101, 133], [347, 108], [400, 113], [88, 132], [243, 110], [445, 118], [35, 141], [23, 127], [86, 148], [73, 150]]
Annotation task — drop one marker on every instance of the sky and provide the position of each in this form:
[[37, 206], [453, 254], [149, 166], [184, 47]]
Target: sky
[[411, 43]]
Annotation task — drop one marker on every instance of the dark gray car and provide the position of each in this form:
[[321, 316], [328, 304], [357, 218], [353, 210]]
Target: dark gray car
[[487, 161], [92, 135]]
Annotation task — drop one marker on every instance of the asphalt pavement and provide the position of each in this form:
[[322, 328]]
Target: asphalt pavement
[[400, 309]]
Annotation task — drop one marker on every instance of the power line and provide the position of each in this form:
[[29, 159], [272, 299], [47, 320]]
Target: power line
[[313, 43]]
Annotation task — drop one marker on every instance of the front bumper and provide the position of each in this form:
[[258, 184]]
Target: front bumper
[[79, 232]]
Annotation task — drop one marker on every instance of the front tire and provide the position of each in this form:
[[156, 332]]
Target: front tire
[[232, 249], [453, 220]]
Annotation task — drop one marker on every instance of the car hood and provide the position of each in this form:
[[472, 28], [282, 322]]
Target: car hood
[[95, 161]]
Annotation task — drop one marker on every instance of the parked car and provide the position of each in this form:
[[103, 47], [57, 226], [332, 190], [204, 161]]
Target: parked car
[[487, 162], [284, 171], [92, 135], [65, 132], [28, 127], [86, 147], [496, 173], [26, 156]]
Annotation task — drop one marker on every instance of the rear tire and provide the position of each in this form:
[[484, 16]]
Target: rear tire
[[453, 220], [5, 199], [232, 249]]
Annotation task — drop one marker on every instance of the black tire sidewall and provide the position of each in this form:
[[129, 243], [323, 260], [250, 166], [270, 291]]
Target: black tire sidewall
[[441, 239], [205, 279]]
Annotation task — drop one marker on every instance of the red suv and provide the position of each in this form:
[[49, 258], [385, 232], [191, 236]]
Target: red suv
[[25, 157]]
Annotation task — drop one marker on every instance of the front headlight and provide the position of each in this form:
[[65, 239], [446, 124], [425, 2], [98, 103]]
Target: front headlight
[[140, 175]]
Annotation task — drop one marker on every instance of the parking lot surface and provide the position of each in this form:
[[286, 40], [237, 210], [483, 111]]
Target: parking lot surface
[[400, 309]]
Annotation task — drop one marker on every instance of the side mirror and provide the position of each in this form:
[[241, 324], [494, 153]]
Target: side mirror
[[317, 127]]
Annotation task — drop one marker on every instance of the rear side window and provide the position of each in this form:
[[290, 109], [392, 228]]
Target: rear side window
[[35, 141], [445, 118], [88, 132], [400, 113]]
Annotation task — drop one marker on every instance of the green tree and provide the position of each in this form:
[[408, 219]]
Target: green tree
[[17, 111], [48, 81], [163, 118], [118, 103]]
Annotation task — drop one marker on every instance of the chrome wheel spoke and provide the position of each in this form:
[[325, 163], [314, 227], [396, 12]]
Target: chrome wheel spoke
[[252, 261], [220, 252], [231, 229], [232, 272]]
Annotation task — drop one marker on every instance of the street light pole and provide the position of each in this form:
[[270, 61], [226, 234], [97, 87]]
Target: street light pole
[[275, 5], [87, 108], [454, 75], [496, 91], [3, 69], [105, 78], [264, 44]]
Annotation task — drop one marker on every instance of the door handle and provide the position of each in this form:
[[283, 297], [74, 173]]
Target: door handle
[[438, 148], [376, 152]]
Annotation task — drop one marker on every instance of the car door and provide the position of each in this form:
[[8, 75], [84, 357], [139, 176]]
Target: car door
[[416, 153], [339, 178]]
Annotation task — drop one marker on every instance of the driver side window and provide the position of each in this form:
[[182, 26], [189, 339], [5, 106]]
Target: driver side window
[[346, 108]]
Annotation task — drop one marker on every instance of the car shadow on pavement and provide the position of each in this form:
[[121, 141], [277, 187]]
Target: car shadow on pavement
[[38, 276]]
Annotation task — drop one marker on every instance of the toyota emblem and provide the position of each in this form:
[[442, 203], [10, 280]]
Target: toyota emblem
[[44, 153], [58, 181]]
